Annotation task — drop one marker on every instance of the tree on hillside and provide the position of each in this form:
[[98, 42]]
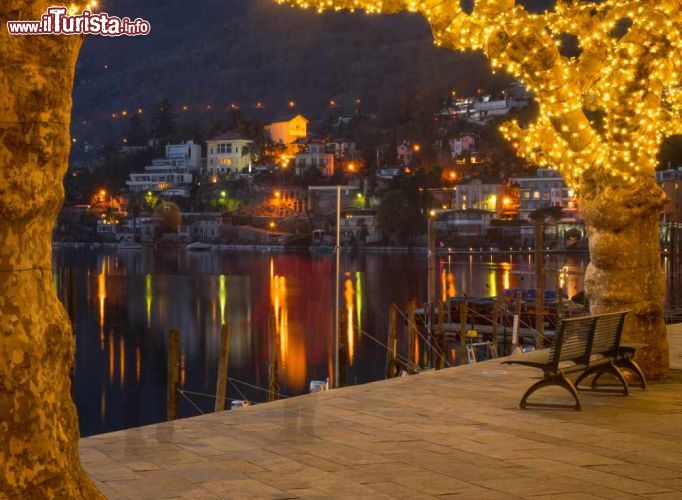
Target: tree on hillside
[[163, 123], [137, 133], [603, 112]]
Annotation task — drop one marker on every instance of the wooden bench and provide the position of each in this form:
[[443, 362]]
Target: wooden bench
[[590, 346]]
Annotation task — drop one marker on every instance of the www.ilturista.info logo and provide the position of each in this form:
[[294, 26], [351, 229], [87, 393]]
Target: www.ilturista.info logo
[[59, 20]]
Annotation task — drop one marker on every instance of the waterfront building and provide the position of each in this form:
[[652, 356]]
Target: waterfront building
[[359, 226], [471, 222], [482, 193], [171, 175], [228, 153], [543, 190]]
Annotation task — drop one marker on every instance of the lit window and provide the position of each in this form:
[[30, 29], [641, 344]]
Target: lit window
[[536, 195]]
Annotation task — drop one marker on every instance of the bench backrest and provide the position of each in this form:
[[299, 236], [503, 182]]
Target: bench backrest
[[577, 339], [608, 332], [573, 341]]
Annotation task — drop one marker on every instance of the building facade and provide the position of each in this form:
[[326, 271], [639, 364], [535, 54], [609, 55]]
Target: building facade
[[228, 153], [169, 176], [315, 155], [286, 130], [671, 182], [546, 189], [482, 193]]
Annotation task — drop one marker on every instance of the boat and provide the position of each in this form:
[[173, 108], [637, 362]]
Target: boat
[[127, 242], [198, 247]]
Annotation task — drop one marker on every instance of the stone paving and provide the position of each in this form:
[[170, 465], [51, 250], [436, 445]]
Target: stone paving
[[456, 433]]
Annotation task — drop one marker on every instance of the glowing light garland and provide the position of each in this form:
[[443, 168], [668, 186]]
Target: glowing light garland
[[605, 111]]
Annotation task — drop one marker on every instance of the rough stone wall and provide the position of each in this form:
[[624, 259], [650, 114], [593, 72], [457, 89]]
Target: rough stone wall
[[38, 420]]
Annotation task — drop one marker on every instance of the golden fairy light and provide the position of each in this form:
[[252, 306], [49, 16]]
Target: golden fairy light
[[604, 113]]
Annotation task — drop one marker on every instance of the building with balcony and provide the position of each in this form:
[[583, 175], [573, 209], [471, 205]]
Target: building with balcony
[[171, 175], [228, 153], [315, 154], [482, 193], [543, 190]]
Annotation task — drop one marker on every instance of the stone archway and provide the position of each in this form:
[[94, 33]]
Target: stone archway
[[38, 420]]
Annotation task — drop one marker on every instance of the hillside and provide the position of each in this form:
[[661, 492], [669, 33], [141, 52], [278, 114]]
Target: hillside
[[217, 52]]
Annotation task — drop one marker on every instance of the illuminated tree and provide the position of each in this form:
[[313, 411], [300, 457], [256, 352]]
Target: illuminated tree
[[603, 116], [38, 420]]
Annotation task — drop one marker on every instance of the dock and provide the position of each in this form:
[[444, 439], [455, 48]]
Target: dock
[[455, 433]]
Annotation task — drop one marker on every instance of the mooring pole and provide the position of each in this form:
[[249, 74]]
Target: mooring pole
[[441, 335], [540, 281], [223, 364], [496, 317], [411, 338], [392, 353], [516, 340], [173, 375], [273, 341], [432, 273], [337, 300], [463, 312]]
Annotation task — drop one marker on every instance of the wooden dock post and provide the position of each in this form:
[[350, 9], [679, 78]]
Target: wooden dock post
[[463, 312], [540, 281], [441, 336], [411, 338], [273, 369], [343, 349], [517, 313], [496, 319], [173, 375], [392, 353], [223, 364]]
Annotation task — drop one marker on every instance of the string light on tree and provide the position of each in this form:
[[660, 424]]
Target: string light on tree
[[603, 115]]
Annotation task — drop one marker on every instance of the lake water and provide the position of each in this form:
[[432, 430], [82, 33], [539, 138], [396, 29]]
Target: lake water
[[128, 301]]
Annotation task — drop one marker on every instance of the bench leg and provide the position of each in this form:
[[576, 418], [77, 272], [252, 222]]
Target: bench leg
[[599, 371], [560, 380], [629, 364], [590, 371]]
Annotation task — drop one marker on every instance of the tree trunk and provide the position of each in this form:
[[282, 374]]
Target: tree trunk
[[38, 420], [625, 271]]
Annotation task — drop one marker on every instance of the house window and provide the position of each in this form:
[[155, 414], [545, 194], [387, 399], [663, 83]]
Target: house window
[[536, 195], [224, 148]]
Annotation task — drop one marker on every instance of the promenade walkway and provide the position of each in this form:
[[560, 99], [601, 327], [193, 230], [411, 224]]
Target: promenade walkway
[[456, 434]]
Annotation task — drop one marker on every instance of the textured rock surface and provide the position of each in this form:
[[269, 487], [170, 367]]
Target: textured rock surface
[[625, 270], [38, 420]]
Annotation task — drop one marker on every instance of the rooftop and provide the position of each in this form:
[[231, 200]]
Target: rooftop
[[457, 432], [229, 136]]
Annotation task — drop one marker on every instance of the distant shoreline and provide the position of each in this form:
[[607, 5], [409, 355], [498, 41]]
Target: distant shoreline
[[218, 247]]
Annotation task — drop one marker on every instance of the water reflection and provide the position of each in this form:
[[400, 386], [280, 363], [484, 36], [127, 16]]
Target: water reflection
[[125, 311]]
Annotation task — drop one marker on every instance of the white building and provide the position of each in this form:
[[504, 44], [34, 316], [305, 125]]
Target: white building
[[315, 155], [478, 193], [342, 149], [485, 108], [546, 189], [461, 146], [471, 222], [228, 153], [171, 175], [360, 226]]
